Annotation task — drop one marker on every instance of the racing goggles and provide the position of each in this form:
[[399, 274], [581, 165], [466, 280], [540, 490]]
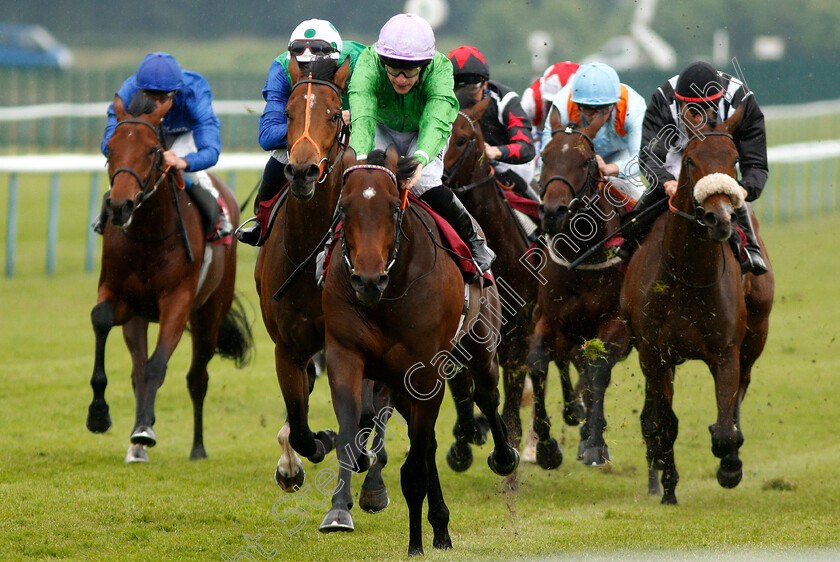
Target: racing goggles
[[316, 47], [409, 73]]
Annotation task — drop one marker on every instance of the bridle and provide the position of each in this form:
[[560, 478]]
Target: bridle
[[592, 175], [449, 173], [689, 163], [337, 146], [400, 213], [145, 190]]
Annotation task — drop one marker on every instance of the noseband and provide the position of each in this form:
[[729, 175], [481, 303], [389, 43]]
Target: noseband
[[145, 191], [591, 175], [341, 129], [399, 218]]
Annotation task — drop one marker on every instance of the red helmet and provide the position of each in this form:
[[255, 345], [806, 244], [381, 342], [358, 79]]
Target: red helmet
[[468, 66]]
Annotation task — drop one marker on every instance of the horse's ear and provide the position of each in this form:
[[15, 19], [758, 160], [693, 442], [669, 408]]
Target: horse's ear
[[342, 74], [349, 157], [392, 157], [596, 124], [119, 109], [734, 120], [161, 110], [478, 109], [294, 69], [554, 118]]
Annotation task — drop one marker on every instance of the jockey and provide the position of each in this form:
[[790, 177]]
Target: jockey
[[190, 129], [505, 126], [537, 98], [310, 39], [595, 89], [704, 94], [401, 93]]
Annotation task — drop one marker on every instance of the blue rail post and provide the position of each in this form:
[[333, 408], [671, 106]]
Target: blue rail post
[[52, 224], [93, 211], [11, 225]]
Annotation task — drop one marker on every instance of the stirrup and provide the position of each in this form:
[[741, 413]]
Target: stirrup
[[251, 235]]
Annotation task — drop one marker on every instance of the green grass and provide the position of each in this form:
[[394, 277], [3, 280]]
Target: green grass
[[66, 493]]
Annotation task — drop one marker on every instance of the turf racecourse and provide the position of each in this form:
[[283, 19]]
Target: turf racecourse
[[65, 493]]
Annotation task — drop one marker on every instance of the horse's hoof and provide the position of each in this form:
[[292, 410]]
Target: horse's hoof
[[574, 413], [144, 435], [289, 483], [198, 453], [669, 498], [729, 474], [328, 438], [415, 551], [503, 469], [443, 542], [337, 520], [459, 457], [596, 456], [136, 453], [549, 454], [373, 501], [98, 419]]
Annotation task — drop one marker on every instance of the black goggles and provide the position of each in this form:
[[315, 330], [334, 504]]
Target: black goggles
[[318, 47]]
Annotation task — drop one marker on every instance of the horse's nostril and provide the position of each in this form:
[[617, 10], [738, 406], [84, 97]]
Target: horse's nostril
[[356, 282], [710, 219], [313, 172], [382, 282]]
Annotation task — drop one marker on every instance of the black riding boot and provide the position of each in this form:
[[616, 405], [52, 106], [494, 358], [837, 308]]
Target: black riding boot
[[634, 227], [518, 184], [98, 224], [756, 263], [442, 200], [251, 231]]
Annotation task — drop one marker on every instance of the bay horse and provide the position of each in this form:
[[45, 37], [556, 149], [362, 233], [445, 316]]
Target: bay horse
[[148, 274], [578, 306], [317, 136], [470, 175], [684, 298], [382, 324]]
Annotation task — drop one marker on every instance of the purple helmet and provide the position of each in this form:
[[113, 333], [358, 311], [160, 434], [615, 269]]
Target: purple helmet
[[406, 37]]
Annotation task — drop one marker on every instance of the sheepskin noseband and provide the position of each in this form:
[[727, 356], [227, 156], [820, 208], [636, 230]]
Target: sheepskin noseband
[[719, 183]]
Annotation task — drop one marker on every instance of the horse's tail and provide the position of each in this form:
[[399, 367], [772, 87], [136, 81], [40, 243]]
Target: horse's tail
[[235, 338]]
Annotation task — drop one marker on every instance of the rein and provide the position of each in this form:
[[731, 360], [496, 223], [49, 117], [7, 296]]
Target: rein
[[306, 136]]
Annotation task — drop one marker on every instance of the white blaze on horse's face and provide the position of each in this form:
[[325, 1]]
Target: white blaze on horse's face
[[368, 193], [312, 101]]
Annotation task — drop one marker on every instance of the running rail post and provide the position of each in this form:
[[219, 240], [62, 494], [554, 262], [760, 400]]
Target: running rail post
[[11, 225]]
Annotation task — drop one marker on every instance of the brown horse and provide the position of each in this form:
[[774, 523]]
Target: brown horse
[[149, 275], [685, 298], [295, 321], [580, 305], [471, 177], [392, 304]]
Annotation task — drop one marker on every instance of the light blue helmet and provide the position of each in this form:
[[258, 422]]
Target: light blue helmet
[[159, 71], [595, 83]]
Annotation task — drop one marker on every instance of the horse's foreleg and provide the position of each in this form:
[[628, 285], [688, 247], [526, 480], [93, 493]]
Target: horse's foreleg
[[414, 473], [549, 455], [373, 496], [726, 433], [99, 417], [438, 511], [504, 458], [659, 423], [466, 430], [135, 334], [346, 370], [174, 312]]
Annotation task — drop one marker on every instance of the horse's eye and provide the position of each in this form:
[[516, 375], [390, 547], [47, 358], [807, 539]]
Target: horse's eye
[[461, 141]]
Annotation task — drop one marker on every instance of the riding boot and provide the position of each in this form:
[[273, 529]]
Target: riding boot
[[251, 231], [205, 198], [756, 263], [444, 202], [98, 224], [634, 228]]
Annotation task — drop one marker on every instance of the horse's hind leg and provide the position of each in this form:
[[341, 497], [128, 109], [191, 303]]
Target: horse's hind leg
[[659, 423], [135, 334], [467, 427], [373, 496], [99, 417], [549, 453]]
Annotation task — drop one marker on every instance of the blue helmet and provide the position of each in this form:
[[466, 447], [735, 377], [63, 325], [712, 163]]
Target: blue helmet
[[595, 83], [158, 71]]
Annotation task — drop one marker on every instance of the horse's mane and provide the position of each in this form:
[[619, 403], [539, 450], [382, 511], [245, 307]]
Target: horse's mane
[[140, 104], [323, 68], [465, 98], [405, 166]]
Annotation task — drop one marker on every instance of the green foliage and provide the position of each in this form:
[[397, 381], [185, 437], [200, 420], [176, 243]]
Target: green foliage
[[66, 493]]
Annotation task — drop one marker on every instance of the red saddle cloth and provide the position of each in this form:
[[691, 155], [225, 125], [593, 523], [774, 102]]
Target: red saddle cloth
[[523, 205]]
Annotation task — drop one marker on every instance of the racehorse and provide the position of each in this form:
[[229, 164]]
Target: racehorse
[[149, 274], [579, 306], [317, 136], [685, 298], [470, 176], [381, 324]]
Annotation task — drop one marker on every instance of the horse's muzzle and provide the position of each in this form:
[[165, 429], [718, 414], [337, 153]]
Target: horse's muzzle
[[302, 180], [719, 225], [553, 218], [120, 214], [369, 288]]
